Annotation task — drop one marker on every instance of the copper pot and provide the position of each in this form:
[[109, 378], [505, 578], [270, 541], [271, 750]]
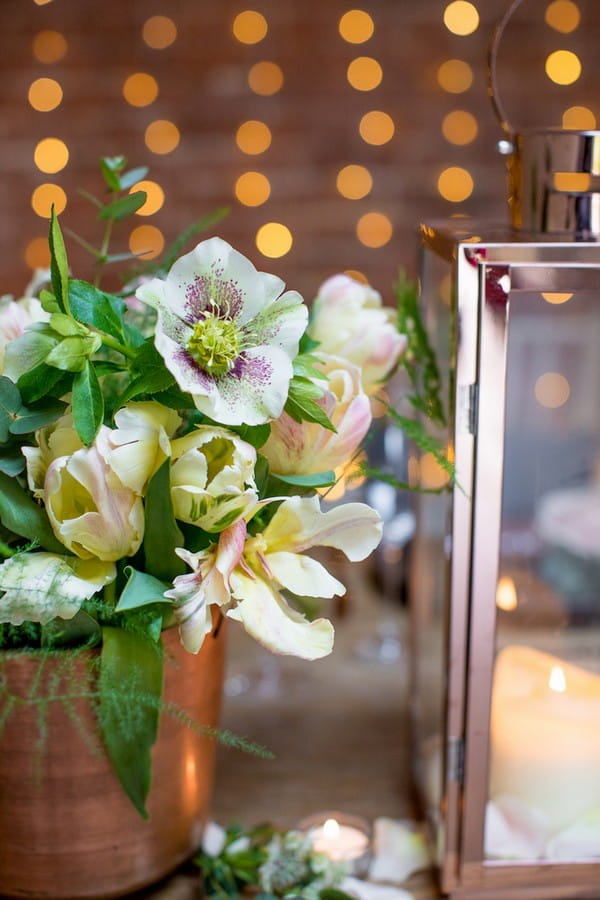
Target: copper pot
[[67, 830]]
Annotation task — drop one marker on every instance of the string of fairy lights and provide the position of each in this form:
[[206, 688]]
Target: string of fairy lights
[[354, 181]]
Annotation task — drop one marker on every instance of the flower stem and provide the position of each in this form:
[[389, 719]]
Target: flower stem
[[114, 344]]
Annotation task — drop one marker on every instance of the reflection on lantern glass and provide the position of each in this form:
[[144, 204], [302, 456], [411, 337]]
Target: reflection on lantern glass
[[51, 155], [265, 78], [376, 127], [356, 26], [364, 73], [140, 89], [563, 67], [155, 197], [374, 229], [557, 681], [159, 32], [161, 136], [455, 76], [49, 46], [552, 390], [563, 15], [460, 127], [253, 137], [579, 118], [37, 253], [461, 17], [250, 27], [356, 275], [41, 2], [252, 188], [274, 240], [432, 475], [506, 594], [45, 94], [354, 182], [455, 184], [555, 297], [146, 241], [45, 196]]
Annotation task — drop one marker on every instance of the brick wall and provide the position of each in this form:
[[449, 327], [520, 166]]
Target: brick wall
[[203, 89]]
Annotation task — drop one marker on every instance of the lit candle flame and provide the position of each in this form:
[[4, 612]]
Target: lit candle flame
[[557, 681], [331, 829], [506, 594]]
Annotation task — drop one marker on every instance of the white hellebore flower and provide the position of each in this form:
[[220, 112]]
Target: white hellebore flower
[[38, 587], [91, 512], [302, 448], [243, 575], [15, 316], [212, 478], [140, 443], [227, 333], [350, 321]]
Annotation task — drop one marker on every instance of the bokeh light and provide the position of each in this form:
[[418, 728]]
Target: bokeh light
[[563, 67], [455, 184], [555, 297], [250, 27], [376, 127], [563, 16], [432, 474], [146, 241], [274, 240], [252, 188], [455, 76], [155, 197], [579, 118], [51, 155], [460, 127], [253, 137], [552, 390], [356, 26], [45, 94], [356, 275], [572, 182], [265, 78], [37, 253], [159, 32], [374, 229], [49, 46], [140, 89], [162, 136], [41, 2], [364, 73], [45, 196], [461, 17], [354, 182]]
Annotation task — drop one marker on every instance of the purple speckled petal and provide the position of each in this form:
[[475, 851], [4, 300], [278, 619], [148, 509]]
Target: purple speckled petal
[[281, 324], [188, 374]]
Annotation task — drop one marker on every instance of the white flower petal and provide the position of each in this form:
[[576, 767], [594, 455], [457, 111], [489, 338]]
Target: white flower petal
[[298, 524], [281, 324], [303, 576], [266, 617]]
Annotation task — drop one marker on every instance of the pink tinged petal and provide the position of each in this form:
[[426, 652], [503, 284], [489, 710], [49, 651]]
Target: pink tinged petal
[[230, 549], [267, 617], [298, 524], [303, 576]]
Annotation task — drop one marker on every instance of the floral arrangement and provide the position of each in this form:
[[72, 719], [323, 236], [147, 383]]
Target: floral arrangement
[[162, 450]]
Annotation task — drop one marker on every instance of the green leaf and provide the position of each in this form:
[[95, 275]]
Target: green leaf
[[161, 534], [305, 367], [34, 417], [12, 461], [81, 629], [307, 344], [128, 179], [131, 680], [334, 894], [10, 404], [175, 398], [111, 167], [123, 207], [315, 480], [141, 590], [38, 381], [94, 307], [48, 301], [301, 406], [88, 404], [150, 373], [59, 267], [28, 350], [256, 435], [23, 516], [72, 353]]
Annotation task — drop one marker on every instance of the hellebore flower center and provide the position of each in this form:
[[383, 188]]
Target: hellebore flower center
[[215, 344]]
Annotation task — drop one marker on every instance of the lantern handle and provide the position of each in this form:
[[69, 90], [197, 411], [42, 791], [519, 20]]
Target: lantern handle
[[492, 84]]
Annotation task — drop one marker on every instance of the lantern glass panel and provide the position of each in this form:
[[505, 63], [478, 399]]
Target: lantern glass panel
[[544, 788]]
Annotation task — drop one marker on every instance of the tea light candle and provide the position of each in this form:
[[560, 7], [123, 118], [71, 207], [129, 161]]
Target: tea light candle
[[339, 836]]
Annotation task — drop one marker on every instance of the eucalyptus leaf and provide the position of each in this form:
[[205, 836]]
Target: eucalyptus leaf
[[10, 403], [128, 179], [161, 534], [123, 207], [88, 404], [32, 418], [94, 307], [141, 590], [59, 267], [12, 461], [110, 167], [38, 381], [131, 681], [20, 514], [314, 480]]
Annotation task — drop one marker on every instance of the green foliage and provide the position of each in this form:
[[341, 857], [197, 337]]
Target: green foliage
[[94, 307], [59, 266], [123, 207], [149, 373], [21, 515], [161, 533], [20, 637], [88, 404], [141, 590], [301, 405], [17, 419], [314, 480]]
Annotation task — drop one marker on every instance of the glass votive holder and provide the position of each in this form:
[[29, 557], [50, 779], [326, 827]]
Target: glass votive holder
[[340, 836]]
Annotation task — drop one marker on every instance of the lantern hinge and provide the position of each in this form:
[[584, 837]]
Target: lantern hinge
[[455, 759], [468, 396]]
